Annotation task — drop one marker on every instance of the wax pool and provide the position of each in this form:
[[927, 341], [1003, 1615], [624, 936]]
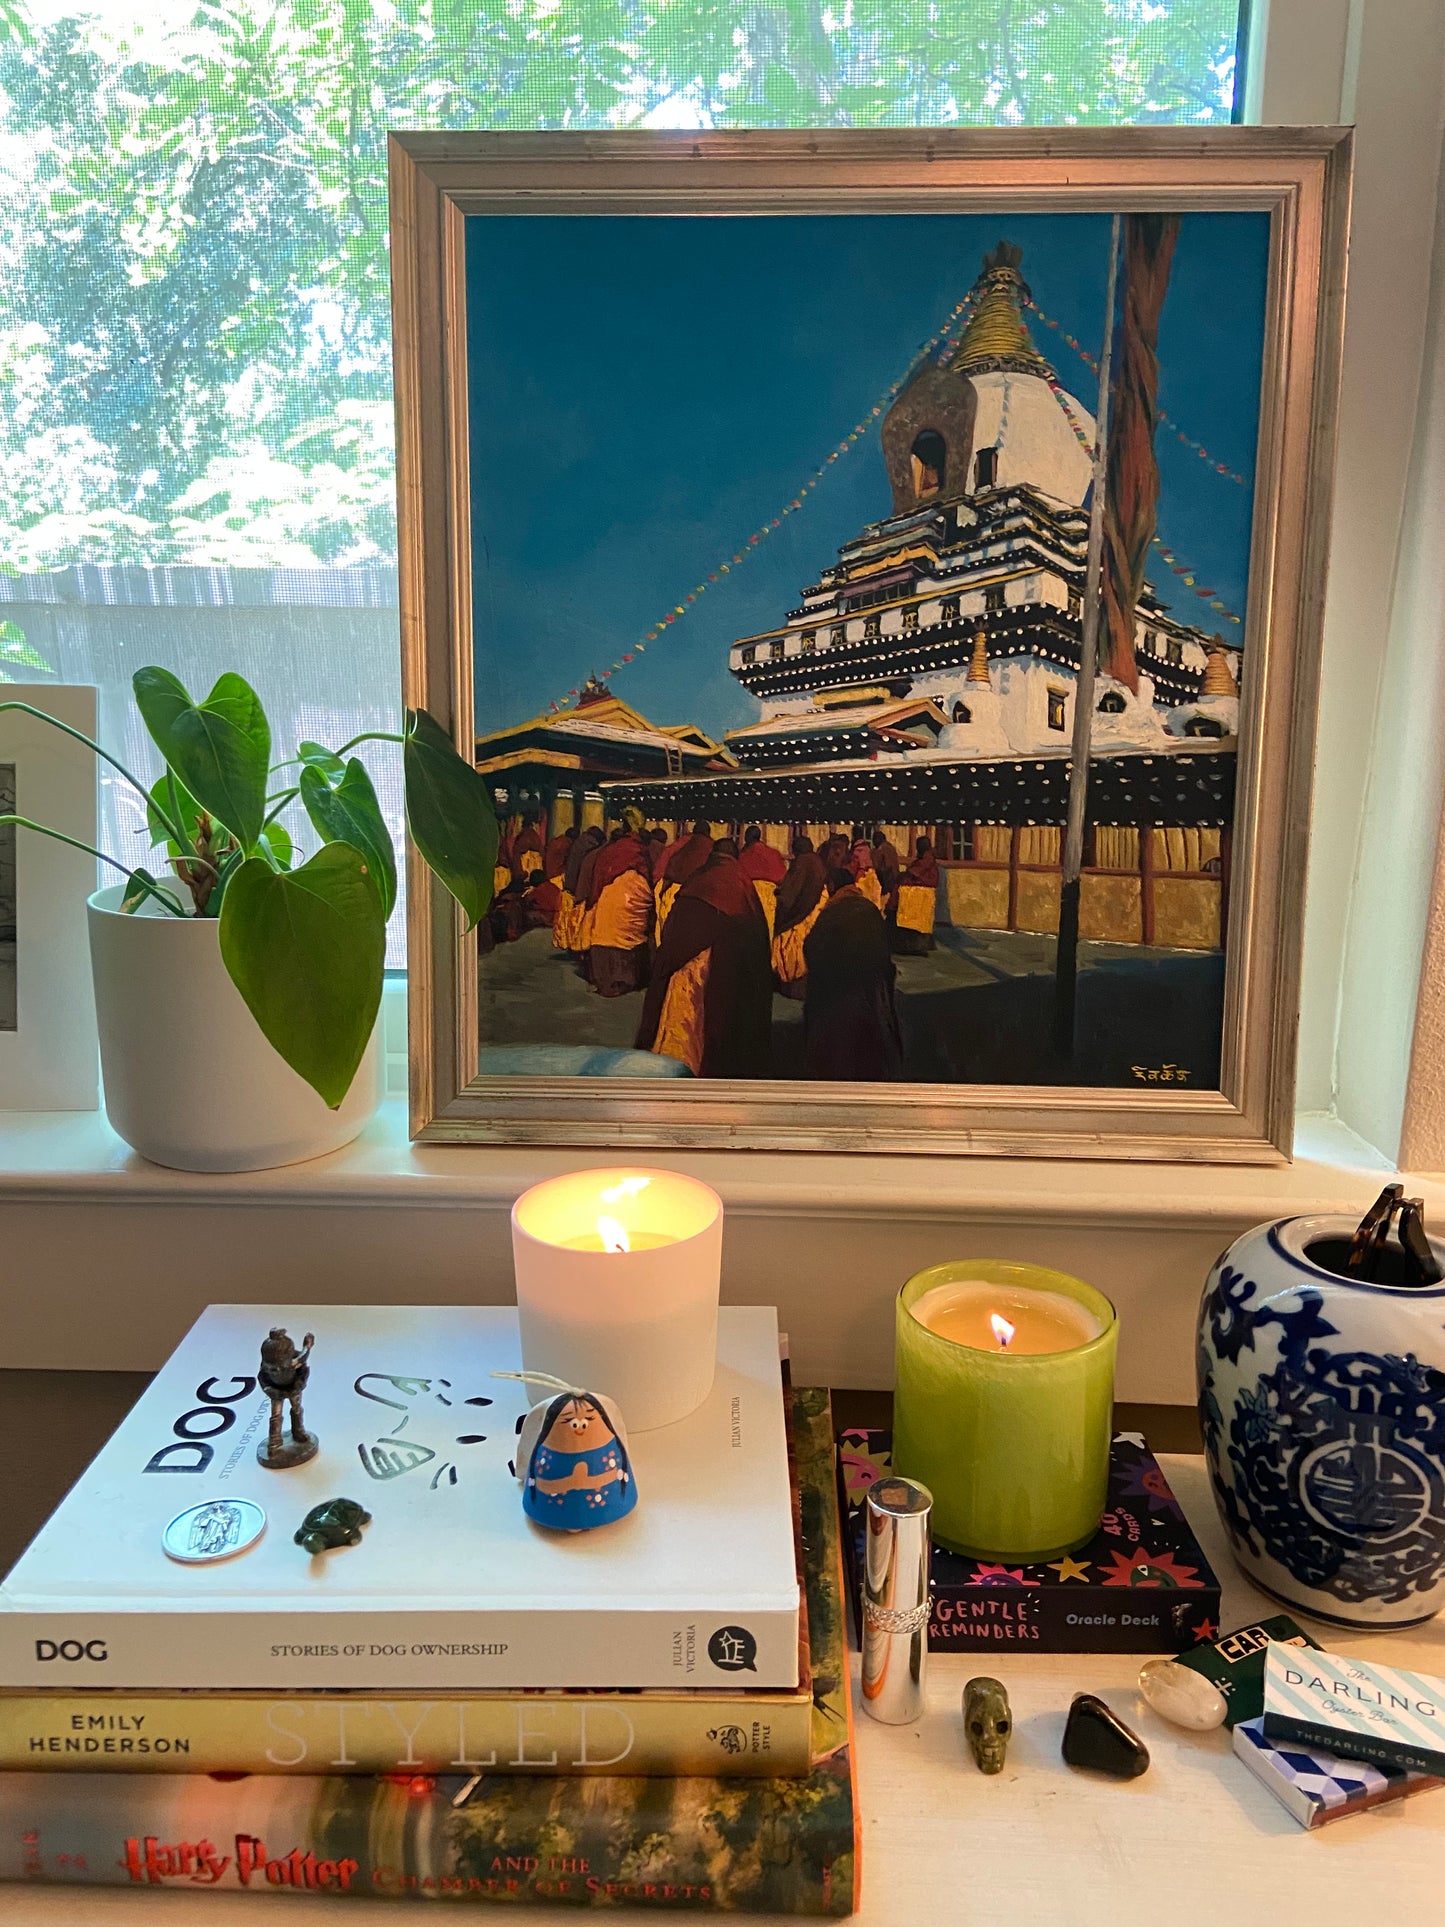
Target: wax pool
[[1029, 1321]]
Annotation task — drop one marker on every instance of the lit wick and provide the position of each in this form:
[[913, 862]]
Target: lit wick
[[1003, 1331], [614, 1238]]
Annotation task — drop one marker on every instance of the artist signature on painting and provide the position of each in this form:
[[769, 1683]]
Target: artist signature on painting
[[1160, 1074]]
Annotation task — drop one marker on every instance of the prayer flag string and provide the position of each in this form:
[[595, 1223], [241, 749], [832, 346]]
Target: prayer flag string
[[1187, 575], [936, 341], [1092, 363]]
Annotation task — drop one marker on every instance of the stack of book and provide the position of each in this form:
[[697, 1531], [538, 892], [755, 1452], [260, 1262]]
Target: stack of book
[[654, 1712]]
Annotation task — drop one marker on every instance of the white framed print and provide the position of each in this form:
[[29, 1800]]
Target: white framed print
[[48, 1053]]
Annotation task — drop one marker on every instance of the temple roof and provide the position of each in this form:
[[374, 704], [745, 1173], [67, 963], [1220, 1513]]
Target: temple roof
[[997, 336]]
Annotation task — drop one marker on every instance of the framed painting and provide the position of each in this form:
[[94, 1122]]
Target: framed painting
[[880, 575]]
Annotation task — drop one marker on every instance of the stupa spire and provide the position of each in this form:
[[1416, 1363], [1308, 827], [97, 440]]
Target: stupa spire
[[997, 336]]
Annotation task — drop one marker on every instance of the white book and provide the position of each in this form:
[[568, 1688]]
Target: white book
[[451, 1586]]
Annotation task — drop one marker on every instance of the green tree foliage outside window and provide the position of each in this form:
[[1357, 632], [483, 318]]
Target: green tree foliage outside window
[[194, 325]]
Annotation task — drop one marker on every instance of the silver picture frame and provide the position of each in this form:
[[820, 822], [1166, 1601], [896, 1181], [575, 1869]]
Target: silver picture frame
[[1301, 179]]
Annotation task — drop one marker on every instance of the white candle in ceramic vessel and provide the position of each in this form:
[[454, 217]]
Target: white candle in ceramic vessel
[[617, 1287]]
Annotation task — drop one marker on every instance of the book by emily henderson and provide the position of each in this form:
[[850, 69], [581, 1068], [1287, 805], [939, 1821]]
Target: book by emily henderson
[[451, 1587], [1365, 1712], [1141, 1585], [783, 1846], [749, 1731]]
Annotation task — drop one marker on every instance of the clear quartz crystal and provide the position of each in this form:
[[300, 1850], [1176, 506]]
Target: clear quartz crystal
[[1182, 1696]]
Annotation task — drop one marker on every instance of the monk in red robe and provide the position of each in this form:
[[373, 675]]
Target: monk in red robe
[[709, 1003], [527, 851], [887, 869], [765, 868], [917, 902], [850, 1021], [864, 876], [801, 896], [682, 859], [620, 912], [554, 857], [572, 903]]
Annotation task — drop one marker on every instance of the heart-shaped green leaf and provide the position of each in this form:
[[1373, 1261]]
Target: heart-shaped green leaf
[[449, 813], [326, 760], [220, 749], [305, 948], [348, 812]]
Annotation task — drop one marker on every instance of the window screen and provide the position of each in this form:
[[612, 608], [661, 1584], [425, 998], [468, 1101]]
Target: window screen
[[195, 403]]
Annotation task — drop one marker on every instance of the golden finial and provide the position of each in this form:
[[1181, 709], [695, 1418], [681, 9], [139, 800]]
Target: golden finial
[[997, 335], [978, 667], [1218, 676]]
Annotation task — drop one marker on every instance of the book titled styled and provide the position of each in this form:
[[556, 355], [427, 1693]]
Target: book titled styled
[[776, 1846], [1347, 1706], [1141, 1585], [451, 1587]]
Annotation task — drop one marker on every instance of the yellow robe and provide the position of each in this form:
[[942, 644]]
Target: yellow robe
[[666, 895], [768, 898], [680, 1029], [917, 907], [870, 887], [622, 917], [788, 964]]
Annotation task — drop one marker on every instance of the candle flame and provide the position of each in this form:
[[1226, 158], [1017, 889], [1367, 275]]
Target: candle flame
[[614, 1235], [1003, 1331], [625, 1188]]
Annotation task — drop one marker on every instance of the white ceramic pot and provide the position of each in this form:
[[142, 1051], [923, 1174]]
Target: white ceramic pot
[[1322, 1401], [190, 1080]]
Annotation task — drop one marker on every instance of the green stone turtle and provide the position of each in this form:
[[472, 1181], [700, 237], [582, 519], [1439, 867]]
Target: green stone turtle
[[337, 1522]]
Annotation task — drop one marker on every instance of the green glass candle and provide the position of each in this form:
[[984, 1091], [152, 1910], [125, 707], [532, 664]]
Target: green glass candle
[[1012, 1443]]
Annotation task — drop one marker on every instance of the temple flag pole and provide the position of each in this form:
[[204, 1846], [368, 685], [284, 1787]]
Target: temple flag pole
[[1066, 965]]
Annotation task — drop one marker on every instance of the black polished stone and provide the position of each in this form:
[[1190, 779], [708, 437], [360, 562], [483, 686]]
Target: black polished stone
[[1097, 1738]]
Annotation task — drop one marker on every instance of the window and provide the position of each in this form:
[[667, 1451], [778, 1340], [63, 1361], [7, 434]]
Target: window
[[870, 627], [810, 642], [194, 326], [1203, 726], [962, 713], [1174, 652], [993, 598], [929, 457], [750, 654], [948, 609], [1076, 606], [775, 649], [985, 468], [838, 635], [1057, 699], [1111, 703], [910, 616]]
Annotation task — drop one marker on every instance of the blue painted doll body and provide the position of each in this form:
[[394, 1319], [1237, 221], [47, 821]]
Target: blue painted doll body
[[579, 1475]]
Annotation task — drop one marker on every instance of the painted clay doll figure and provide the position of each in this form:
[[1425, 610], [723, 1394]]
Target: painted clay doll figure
[[575, 1470]]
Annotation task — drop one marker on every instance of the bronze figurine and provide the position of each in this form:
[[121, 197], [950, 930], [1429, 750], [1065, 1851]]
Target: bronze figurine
[[987, 1722], [282, 1377]]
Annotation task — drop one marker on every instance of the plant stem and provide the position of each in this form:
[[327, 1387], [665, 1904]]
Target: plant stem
[[176, 833], [371, 736], [25, 823], [281, 799]]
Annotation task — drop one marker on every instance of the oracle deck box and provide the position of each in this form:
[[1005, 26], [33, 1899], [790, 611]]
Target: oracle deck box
[[1141, 1585]]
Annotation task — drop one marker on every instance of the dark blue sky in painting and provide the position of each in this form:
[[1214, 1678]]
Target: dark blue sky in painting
[[646, 392]]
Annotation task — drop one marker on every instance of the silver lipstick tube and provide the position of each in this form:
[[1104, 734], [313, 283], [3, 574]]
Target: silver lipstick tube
[[895, 1600]]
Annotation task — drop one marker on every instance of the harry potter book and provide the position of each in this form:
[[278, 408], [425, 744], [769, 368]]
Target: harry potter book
[[450, 1588], [1141, 1585], [777, 1846]]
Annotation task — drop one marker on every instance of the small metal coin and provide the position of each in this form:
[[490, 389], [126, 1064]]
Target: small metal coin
[[216, 1529]]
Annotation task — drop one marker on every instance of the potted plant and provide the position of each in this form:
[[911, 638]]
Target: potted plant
[[237, 984]]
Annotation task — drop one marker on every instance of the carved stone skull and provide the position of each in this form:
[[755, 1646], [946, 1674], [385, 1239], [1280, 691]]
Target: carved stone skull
[[987, 1722]]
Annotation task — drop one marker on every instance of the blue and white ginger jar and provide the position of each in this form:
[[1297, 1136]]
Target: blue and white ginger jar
[[1322, 1401]]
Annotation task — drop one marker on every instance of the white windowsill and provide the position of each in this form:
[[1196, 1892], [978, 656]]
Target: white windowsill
[[74, 1157]]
